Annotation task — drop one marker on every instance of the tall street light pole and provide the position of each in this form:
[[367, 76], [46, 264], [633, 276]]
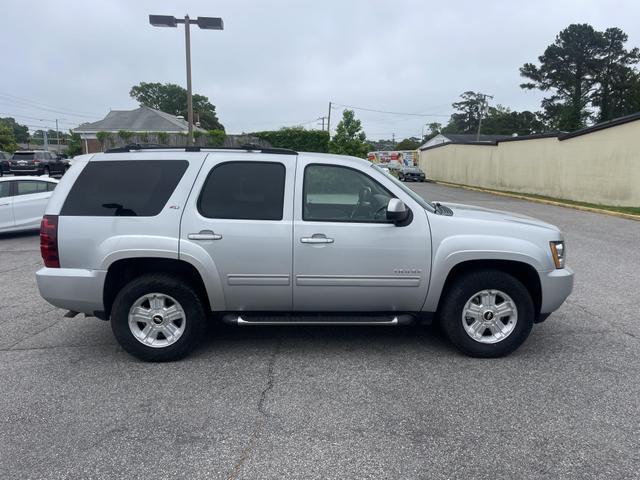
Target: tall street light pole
[[206, 23]]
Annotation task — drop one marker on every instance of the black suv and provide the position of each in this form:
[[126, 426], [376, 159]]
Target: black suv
[[36, 162]]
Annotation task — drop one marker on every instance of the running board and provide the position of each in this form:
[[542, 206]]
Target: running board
[[365, 320]]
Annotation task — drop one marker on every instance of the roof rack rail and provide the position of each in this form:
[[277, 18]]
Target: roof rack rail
[[250, 147]]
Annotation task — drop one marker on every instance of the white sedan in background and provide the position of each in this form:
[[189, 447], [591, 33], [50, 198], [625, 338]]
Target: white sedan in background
[[22, 202]]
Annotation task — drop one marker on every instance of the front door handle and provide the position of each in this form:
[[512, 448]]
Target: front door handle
[[204, 235], [316, 238]]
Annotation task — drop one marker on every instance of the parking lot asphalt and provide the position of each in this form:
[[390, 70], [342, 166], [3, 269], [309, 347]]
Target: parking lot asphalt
[[329, 402]]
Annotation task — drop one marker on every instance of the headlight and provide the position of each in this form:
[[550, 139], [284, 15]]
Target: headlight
[[558, 253]]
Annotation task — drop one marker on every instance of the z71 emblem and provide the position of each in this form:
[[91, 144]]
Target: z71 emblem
[[407, 271]]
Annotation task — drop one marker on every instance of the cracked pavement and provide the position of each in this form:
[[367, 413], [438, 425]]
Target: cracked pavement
[[333, 402]]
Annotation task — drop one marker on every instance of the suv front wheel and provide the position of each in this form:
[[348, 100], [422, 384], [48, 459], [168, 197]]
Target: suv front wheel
[[487, 313], [158, 318]]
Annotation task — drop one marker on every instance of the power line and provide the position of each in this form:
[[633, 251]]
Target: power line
[[391, 113], [30, 102]]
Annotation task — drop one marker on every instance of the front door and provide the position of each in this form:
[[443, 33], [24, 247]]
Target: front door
[[240, 214], [347, 256]]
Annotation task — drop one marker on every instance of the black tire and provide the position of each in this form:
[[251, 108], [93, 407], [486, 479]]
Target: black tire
[[462, 289], [176, 288]]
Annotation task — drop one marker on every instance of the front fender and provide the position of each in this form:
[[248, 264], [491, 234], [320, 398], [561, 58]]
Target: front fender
[[458, 249]]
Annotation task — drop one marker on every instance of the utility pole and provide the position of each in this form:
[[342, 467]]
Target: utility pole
[[393, 140], [57, 135], [187, 41], [322, 118], [206, 23], [329, 121], [483, 108]]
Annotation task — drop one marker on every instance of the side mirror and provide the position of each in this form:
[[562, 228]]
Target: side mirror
[[397, 211]]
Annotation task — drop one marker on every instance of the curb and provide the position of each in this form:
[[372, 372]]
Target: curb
[[628, 216]]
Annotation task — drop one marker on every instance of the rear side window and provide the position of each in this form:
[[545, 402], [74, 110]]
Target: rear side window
[[26, 187], [5, 189], [244, 190], [127, 188], [51, 186]]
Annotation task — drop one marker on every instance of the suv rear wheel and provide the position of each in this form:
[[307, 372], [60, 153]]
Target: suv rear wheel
[[487, 313], [158, 318]]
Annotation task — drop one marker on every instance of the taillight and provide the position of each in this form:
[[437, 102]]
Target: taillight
[[49, 241]]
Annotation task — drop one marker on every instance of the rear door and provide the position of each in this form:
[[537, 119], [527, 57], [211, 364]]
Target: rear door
[[239, 216], [6, 206], [30, 198]]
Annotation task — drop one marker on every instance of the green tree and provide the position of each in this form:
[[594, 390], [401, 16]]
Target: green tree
[[297, 138], [349, 138], [74, 145], [584, 68], [616, 76], [172, 98], [408, 144], [7, 138], [20, 132], [434, 129], [467, 115], [503, 121]]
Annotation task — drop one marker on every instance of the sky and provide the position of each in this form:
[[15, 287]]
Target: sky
[[280, 62]]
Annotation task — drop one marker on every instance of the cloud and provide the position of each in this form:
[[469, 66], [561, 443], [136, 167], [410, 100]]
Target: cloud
[[280, 62]]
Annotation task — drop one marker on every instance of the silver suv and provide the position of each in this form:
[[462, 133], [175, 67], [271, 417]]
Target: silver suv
[[160, 240]]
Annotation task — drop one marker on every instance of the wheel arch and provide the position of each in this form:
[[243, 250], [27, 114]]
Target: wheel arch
[[122, 271], [523, 271]]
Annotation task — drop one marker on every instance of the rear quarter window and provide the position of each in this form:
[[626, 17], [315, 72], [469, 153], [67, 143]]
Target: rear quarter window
[[124, 188]]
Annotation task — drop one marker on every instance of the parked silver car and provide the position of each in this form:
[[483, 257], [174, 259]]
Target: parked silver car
[[159, 240]]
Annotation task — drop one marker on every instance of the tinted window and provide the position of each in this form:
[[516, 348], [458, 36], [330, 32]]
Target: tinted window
[[341, 194], [124, 188], [5, 189], [51, 186], [26, 187], [244, 190], [24, 156]]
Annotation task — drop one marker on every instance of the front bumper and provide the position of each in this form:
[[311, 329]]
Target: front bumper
[[74, 289], [556, 287]]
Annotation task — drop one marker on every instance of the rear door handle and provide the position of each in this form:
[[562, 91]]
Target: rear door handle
[[316, 238], [204, 235]]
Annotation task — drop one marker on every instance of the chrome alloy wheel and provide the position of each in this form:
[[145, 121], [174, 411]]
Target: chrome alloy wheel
[[489, 316], [157, 320]]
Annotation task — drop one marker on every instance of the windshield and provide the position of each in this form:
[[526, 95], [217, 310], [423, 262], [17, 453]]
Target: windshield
[[421, 201]]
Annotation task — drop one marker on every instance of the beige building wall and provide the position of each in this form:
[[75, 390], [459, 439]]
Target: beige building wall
[[600, 167]]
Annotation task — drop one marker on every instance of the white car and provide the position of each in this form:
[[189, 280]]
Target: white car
[[22, 202]]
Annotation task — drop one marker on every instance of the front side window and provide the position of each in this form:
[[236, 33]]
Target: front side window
[[124, 188], [26, 187], [244, 191], [341, 194]]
